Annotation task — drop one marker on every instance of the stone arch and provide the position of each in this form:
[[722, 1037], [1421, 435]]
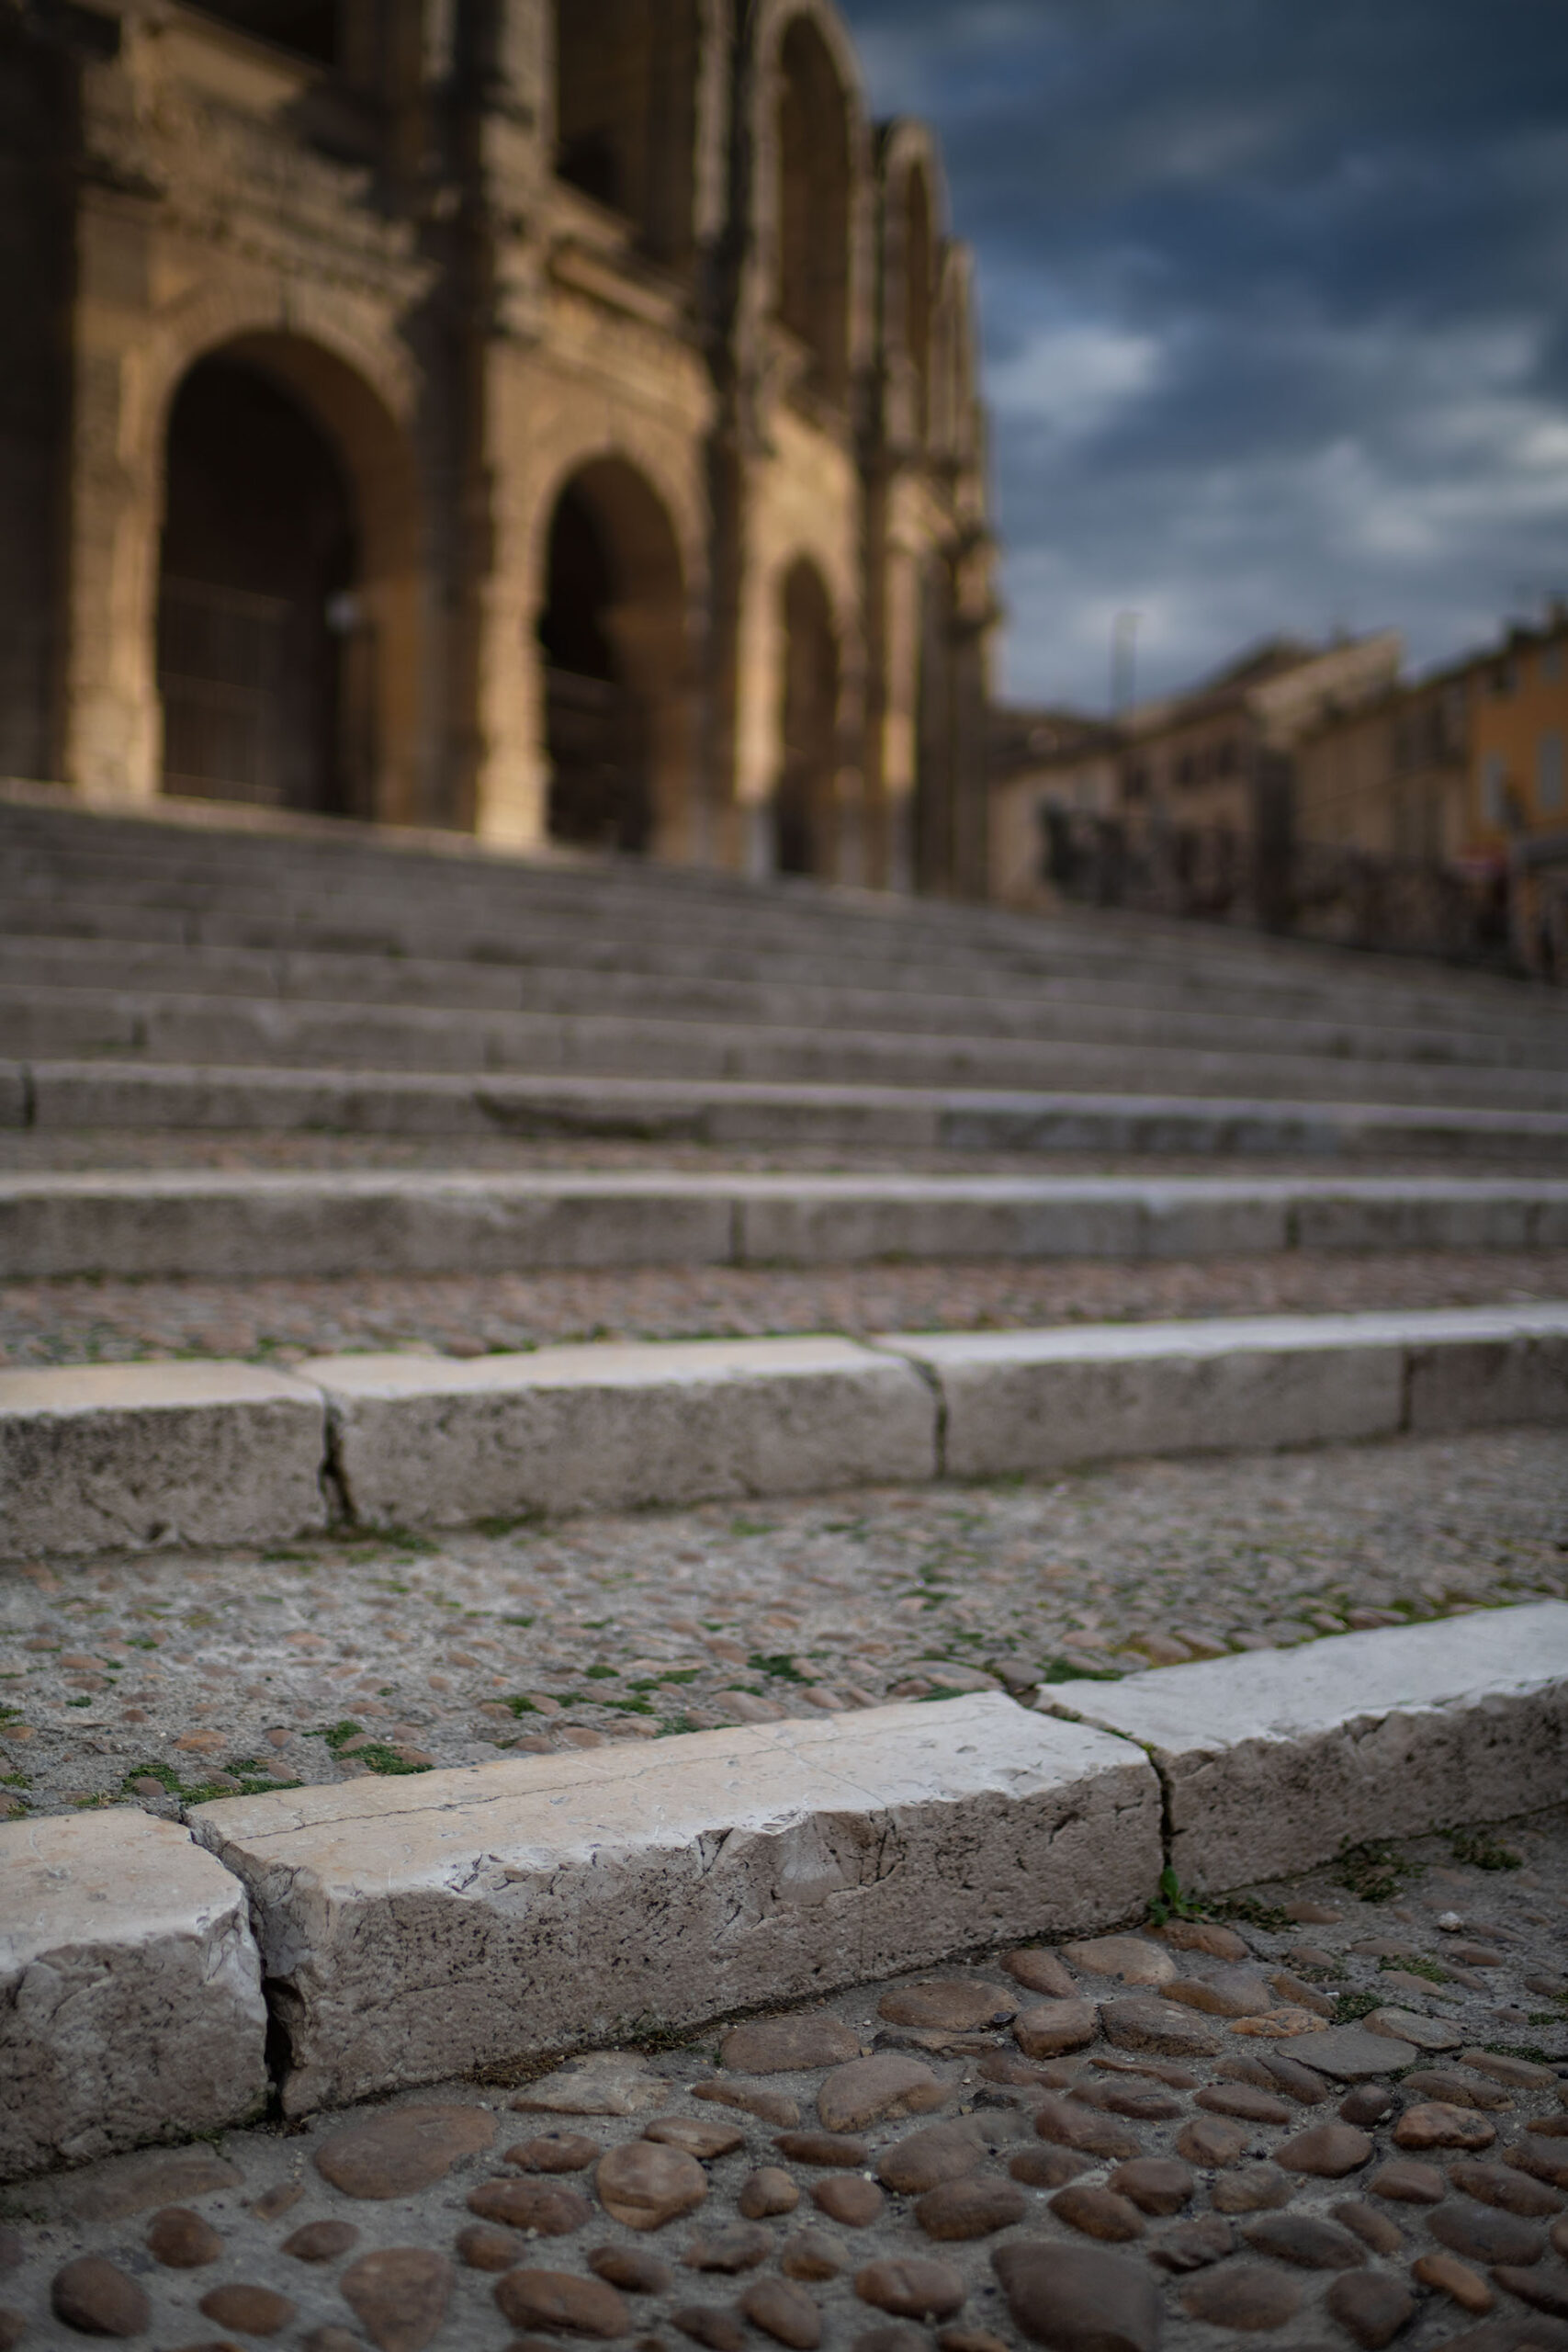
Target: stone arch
[[628, 97], [361, 390], [285, 670], [913, 246], [815, 219], [260, 693], [360, 383], [917, 291], [614, 641], [810, 684], [955, 394]]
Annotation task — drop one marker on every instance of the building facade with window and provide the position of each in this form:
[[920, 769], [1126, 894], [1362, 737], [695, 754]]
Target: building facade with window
[[1209, 761], [1195, 786], [1519, 728], [1048, 766], [1391, 776], [553, 419], [1465, 766]]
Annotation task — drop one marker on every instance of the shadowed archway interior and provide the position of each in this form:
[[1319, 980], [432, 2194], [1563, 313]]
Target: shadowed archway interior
[[613, 633], [627, 74], [803, 806], [814, 206], [262, 656], [596, 721]]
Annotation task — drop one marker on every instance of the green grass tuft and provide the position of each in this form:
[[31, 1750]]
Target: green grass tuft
[[1372, 1871], [1481, 1850]]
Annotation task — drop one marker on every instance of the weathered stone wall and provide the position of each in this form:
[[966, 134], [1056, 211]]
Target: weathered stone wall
[[644, 255]]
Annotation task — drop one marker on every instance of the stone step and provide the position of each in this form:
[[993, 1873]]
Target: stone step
[[1407, 1730], [49, 1024], [111, 1455], [1028, 1402], [627, 988], [625, 942], [58, 1096], [550, 1898], [131, 1994], [1367, 1735], [555, 1898], [247, 1226], [838, 939], [396, 876]]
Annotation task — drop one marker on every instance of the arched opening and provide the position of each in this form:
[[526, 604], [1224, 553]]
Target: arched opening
[[802, 805], [950, 813], [265, 662], [613, 633], [626, 112], [814, 205], [918, 256]]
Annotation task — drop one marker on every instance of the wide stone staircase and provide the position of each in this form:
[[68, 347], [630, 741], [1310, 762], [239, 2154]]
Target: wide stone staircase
[[234, 1050]]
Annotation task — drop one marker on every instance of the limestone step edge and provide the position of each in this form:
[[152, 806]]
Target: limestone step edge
[[228, 1225], [557, 1902], [61, 1093], [101, 1456], [1274, 1760]]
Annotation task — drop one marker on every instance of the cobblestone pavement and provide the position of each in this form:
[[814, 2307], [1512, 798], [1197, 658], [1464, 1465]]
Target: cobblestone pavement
[[163, 1673], [1087, 2147], [96, 1321]]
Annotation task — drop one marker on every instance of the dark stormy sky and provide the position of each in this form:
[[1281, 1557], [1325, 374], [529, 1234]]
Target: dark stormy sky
[[1276, 311]]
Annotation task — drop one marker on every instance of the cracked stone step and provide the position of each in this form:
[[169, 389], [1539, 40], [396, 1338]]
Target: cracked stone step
[[95, 1458], [414, 1928], [436, 1441], [1275, 1760], [106, 1455], [131, 2000], [554, 1899]]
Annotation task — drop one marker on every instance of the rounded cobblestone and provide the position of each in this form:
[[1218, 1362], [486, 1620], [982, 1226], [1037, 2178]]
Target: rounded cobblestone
[[1092, 2249]]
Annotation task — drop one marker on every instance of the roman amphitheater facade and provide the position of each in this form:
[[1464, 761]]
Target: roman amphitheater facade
[[556, 419]]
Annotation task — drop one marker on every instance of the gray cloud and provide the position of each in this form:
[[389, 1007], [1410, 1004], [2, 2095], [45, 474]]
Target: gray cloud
[[1274, 308]]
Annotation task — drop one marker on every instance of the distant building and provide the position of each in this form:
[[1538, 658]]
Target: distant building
[[1047, 766], [1207, 759], [1466, 766], [1216, 762], [1392, 777], [1519, 790]]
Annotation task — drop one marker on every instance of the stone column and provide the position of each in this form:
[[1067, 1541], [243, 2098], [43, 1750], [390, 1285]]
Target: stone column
[[112, 733], [509, 768]]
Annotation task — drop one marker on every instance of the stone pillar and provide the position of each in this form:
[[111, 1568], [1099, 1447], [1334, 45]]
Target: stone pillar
[[112, 735], [509, 767], [899, 733], [758, 701], [512, 778]]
